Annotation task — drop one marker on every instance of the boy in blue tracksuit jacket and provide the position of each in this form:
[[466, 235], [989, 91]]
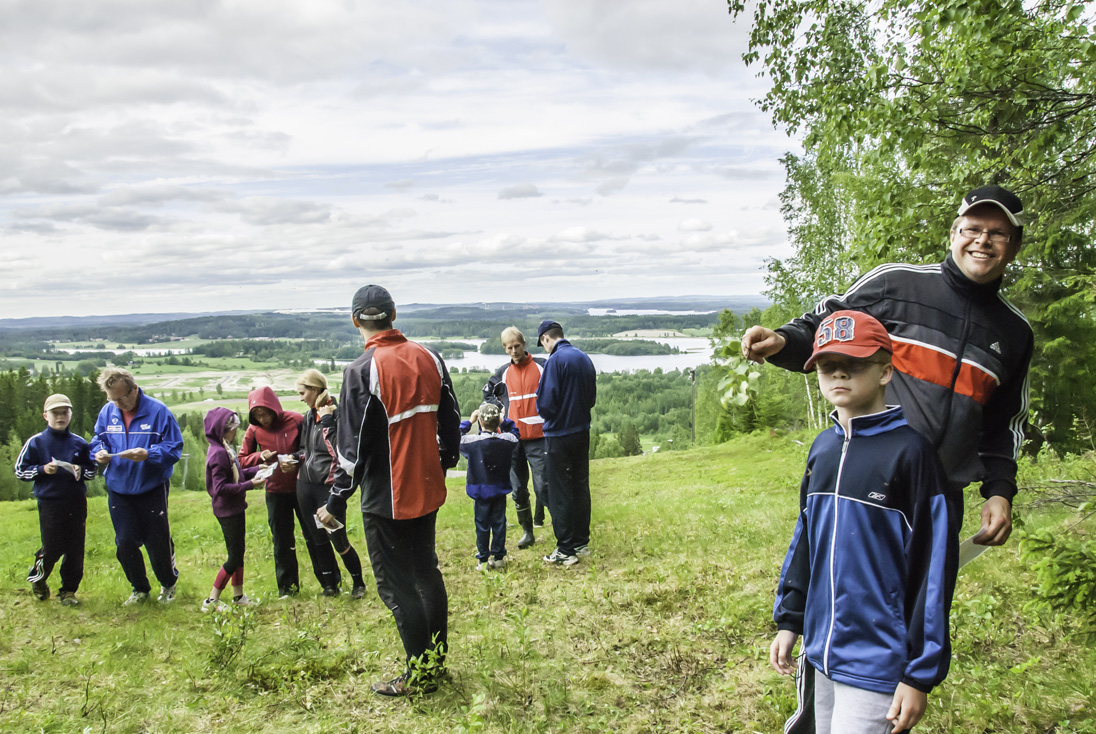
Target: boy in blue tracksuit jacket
[[138, 442], [489, 455], [58, 463], [870, 571]]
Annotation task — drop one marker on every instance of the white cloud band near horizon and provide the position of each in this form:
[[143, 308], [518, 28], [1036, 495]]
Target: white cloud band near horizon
[[203, 156]]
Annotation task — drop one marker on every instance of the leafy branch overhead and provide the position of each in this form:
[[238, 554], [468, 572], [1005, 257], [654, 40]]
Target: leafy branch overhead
[[902, 107]]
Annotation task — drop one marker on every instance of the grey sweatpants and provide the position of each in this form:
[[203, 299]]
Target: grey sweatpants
[[842, 709]]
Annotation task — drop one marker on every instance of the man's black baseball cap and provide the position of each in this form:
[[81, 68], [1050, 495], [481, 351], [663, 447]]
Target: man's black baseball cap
[[372, 296], [1008, 202], [547, 325]]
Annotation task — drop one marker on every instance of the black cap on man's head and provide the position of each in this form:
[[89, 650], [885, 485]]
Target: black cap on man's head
[[1007, 201], [547, 325], [372, 296]]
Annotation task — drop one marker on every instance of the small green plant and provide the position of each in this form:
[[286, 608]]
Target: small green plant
[[230, 631], [473, 715], [740, 384], [1065, 566]]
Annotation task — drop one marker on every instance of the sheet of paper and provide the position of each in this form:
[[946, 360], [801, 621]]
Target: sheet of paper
[[70, 468], [338, 525], [968, 551]]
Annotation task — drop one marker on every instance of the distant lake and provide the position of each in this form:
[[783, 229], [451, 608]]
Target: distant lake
[[695, 352]]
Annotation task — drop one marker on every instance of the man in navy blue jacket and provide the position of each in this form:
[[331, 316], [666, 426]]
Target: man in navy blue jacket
[[138, 441], [566, 394]]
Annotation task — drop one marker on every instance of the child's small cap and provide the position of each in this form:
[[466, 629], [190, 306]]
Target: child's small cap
[[489, 412], [57, 400], [851, 333]]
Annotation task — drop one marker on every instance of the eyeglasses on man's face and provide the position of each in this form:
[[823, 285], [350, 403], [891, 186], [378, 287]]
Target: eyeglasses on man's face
[[995, 236]]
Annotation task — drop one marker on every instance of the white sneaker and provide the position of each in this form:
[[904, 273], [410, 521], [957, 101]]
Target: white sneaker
[[243, 601], [214, 605], [497, 563], [137, 597], [582, 551], [167, 594], [560, 559], [480, 565]]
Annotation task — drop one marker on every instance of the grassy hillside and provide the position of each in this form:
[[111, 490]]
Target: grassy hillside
[[665, 628]]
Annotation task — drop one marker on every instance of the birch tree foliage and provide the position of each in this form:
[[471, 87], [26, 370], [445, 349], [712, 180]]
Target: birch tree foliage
[[903, 107]]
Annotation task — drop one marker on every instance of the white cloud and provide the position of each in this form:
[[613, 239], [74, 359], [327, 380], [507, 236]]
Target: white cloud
[[520, 191], [694, 225]]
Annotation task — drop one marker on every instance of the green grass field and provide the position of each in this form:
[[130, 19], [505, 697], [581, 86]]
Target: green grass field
[[665, 628]]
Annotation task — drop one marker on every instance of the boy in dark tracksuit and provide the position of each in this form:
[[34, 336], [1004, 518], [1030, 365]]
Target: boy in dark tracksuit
[[58, 462], [489, 455], [870, 571]]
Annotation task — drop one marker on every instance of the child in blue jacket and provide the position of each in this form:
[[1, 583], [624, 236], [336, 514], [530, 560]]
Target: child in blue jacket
[[870, 571], [59, 464], [489, 453]]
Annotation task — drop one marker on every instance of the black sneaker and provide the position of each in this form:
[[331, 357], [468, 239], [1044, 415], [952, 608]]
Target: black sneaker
[[358, 591], [68, 599], [330, 591], [403, 686], [40, 589]]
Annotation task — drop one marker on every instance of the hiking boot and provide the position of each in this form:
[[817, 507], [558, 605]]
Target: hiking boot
[[582, 551], [560, 558], [525, 519], [68, 599], [214, 605], [137, 597], [167, 594], [40, 589], [497, 563], [331, 591], [403, 686], [358, 591]]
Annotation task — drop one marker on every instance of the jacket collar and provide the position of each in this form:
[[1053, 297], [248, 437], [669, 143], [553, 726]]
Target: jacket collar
[[385, 338], [873, 423], [962, 284]]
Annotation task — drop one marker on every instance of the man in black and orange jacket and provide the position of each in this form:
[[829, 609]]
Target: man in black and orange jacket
[[514, 388], [398, 431]]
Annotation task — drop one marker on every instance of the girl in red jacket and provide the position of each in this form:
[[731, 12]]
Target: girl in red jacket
[[274, 436]]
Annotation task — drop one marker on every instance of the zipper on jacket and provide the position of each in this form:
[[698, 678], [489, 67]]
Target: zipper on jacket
[[833, 548], [964, 337]]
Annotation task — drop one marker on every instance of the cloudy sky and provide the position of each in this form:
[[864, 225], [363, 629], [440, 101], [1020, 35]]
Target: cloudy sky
[[227, 154]]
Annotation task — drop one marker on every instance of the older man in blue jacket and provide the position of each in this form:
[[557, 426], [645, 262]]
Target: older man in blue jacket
[[566, 394], [139, 442]]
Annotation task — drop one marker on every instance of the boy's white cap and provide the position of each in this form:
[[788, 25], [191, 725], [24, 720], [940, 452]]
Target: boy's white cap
[[57, 400]]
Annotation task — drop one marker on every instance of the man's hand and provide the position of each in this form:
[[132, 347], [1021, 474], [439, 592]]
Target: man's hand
[[780, 652], [49, 468], [268, 456], [759, 343], [134, 455], [474, 417], [996, 522], [326, 518], [907, 708], [102, 456]]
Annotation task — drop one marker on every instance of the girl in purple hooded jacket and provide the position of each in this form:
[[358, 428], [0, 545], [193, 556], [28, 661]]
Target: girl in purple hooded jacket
[[227, 483]]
